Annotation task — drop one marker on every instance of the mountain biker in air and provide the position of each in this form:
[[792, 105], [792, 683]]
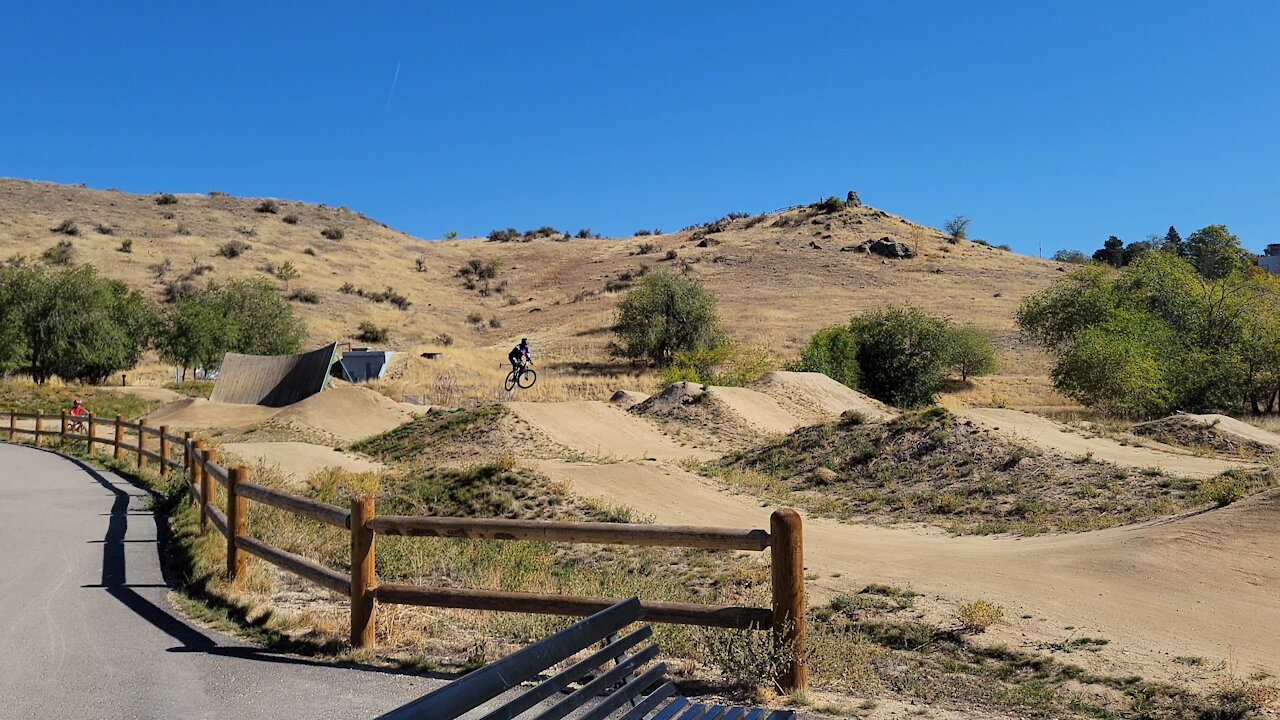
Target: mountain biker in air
[[519, 356]]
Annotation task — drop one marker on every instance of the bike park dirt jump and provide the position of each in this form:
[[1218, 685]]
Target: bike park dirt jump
[[1197, 584]]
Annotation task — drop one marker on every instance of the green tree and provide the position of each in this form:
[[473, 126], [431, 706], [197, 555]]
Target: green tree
[[958, 227], [833, 352], [287, 273], [1215, 252], [1115, 367], [72, 323], [1075, 257], [971, 352], [664, 314], [1111, 252], [902, 355], [196, 332], [1054, 316], [1173, 244], [265, 322]]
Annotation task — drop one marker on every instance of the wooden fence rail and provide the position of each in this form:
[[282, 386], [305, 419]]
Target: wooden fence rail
[[203, 475]]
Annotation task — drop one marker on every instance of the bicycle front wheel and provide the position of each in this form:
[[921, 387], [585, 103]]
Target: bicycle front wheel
[[528, 378], [510, 383]]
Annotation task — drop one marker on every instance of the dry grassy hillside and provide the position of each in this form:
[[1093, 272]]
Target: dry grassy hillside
[[778, 276]]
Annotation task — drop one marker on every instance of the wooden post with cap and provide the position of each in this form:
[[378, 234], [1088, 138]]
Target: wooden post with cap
[[119, 444], [237, 522], [363, 610], [786, 545]]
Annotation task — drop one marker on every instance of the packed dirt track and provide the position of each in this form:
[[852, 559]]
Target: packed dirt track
[[1198, 584], [1044, 433]]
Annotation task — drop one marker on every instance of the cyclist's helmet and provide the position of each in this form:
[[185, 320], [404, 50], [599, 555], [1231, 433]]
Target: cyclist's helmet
[[524, 341]]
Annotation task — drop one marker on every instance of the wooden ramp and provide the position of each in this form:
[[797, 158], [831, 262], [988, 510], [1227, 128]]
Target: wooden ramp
[[272, 380]]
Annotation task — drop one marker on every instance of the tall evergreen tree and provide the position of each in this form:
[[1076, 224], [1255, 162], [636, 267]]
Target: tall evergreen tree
[[1173, 243], [1111, 252]]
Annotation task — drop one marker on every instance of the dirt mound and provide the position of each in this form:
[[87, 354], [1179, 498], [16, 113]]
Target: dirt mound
[[675, 396], [690, 412], [757, 409], [816, 397], [298, 460], [349, 412], [1215, 433], [1049, 435], [597, 429], [147, 393], [198, 413], [627, 399]]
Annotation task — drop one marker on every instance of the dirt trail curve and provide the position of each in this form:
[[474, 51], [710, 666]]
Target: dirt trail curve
[[1205, 584], [1048, 434], [1238, 428], [89, 632], [600, 430]]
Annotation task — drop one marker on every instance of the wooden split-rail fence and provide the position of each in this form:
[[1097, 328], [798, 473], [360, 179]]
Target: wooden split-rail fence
[[205, 478]]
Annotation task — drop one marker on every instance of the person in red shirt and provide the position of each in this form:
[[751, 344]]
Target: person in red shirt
[[79, 413]]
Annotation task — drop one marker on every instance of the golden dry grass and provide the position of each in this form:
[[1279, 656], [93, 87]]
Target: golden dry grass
[[774, 288]]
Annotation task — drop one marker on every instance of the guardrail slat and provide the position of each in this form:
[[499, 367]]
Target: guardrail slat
[[324, 512], [663, 612], [315, 572], [572, 532]]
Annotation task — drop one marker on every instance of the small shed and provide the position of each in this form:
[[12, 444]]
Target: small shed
[[363, 364]]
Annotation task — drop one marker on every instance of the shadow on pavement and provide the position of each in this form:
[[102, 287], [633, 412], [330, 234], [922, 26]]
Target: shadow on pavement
[[191, 638]]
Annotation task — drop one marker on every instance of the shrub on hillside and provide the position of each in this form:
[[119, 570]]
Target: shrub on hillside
[[267, 206], [290, 219], [333, 233], [647, 248], [303, 295], [166, 199], [64, 253], [830, 205], [126, 246], [971, 352], [666, 313], [309, 251], [833, 352], [372, 333], [66, 227], [104, 229], [233, 248], [958, 227]]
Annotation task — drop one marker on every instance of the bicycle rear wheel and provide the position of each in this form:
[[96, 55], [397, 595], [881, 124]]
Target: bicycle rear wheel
[[510, 383], [528, 378]]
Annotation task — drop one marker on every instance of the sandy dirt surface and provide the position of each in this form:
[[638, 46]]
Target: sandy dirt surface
[[298, 460], [147, 393], [348, 413], [1203, 584], [1237, 427], [600, 430], [815, 397], [757, 409], [1046, 433]]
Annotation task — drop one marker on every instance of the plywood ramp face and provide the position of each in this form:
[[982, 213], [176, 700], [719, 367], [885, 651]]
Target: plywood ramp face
[[272, 380]]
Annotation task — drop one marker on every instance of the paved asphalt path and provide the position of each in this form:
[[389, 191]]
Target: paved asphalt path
[[86, 630]]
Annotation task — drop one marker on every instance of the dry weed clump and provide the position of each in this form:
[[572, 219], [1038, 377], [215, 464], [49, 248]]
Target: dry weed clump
[[978, 615]]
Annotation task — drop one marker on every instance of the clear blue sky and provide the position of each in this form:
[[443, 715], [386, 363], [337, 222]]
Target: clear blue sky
[[1053, 123]]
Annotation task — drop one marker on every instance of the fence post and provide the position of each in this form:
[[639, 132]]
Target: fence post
[[142, 442], [197, 474], [164, 450], [13, 424], [186, 455], [208, 486], [237, 522], [786, 544], [363, 619], [63, 429], [119, 451], [39, 425]]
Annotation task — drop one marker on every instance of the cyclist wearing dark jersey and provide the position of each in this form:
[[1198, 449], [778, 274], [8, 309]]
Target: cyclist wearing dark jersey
[[519, 355]]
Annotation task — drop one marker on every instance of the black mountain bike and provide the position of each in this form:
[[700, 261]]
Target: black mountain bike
[[521, 375]]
